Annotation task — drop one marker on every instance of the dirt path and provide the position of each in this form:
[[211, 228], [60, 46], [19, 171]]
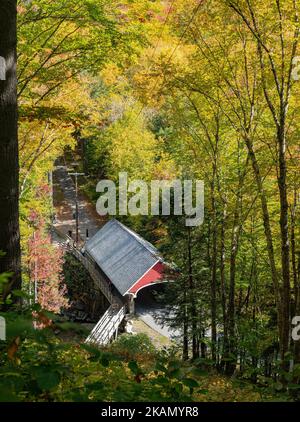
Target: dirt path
[[64, 203], [152, 313]]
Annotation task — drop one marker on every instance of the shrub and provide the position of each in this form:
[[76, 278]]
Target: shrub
[[135, 347]]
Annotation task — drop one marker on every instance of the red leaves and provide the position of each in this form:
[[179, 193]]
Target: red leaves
[[45, 265]]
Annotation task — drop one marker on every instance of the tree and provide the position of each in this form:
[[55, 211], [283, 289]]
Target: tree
[[276, 67], [46, 267], [241, 70], [9, 167]]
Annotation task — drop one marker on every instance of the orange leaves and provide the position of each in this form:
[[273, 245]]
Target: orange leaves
[[41, 320], [13, 348], [20, 10]]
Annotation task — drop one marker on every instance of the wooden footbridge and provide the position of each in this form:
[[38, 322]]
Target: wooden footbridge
[[120, 263], [108, 325]]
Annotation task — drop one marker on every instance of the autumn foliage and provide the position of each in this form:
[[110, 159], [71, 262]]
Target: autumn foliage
[[45, 267]]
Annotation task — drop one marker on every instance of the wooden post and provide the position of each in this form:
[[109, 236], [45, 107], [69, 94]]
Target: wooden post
[[131, 304]]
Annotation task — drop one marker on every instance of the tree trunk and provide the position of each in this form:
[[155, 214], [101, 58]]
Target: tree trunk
[[214, 274], [231, 312], [223, 289], [293, 248], [297, 312], [230, 364], [9, 166], [185, 349], [285, 246], [267, 228], [296, 280], [192, 298], [203, 347]]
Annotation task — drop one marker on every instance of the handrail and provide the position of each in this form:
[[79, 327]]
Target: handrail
[[105, 328], [100, 325], [114, 315], [94, 273]]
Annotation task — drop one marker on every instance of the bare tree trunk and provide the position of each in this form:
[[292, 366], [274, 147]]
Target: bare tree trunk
[[9, 167], [230, 364], [293, 248], [203, 347], [231, 311], [297, 312]]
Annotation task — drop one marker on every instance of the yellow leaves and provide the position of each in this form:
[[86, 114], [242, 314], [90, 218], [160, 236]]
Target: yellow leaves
[[132, 147], [158, 67], [165, 168], [223, 389], [133, 152], [110, 74], [43, 137]]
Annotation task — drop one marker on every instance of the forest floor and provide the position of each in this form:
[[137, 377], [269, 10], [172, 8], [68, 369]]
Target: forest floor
[[158, 340], [213, 387], [139, 327]]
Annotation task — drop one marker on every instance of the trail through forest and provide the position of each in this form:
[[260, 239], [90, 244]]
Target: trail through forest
[[65, 204]]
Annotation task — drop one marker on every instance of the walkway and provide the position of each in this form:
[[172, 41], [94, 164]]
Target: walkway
[[152, 313], [64, 203]]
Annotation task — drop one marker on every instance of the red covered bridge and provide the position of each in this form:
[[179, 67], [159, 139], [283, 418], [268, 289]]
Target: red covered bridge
[[127, 261]]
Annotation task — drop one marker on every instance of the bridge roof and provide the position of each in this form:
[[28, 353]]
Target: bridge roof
[[122, 254]]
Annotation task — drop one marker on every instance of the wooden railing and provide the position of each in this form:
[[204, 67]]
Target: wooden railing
[[109, 323], [107, 326], [96, 276]]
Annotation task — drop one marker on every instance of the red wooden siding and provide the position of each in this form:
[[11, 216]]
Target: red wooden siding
[[154, 274]]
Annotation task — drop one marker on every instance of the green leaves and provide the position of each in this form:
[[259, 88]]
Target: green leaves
[[18, 326], [104, 361], [133, 366], [57, 44], [50, 370], [47, 378], [190, 382]]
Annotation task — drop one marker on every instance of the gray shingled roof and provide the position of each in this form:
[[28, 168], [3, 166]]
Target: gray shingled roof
[[122, 254]]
